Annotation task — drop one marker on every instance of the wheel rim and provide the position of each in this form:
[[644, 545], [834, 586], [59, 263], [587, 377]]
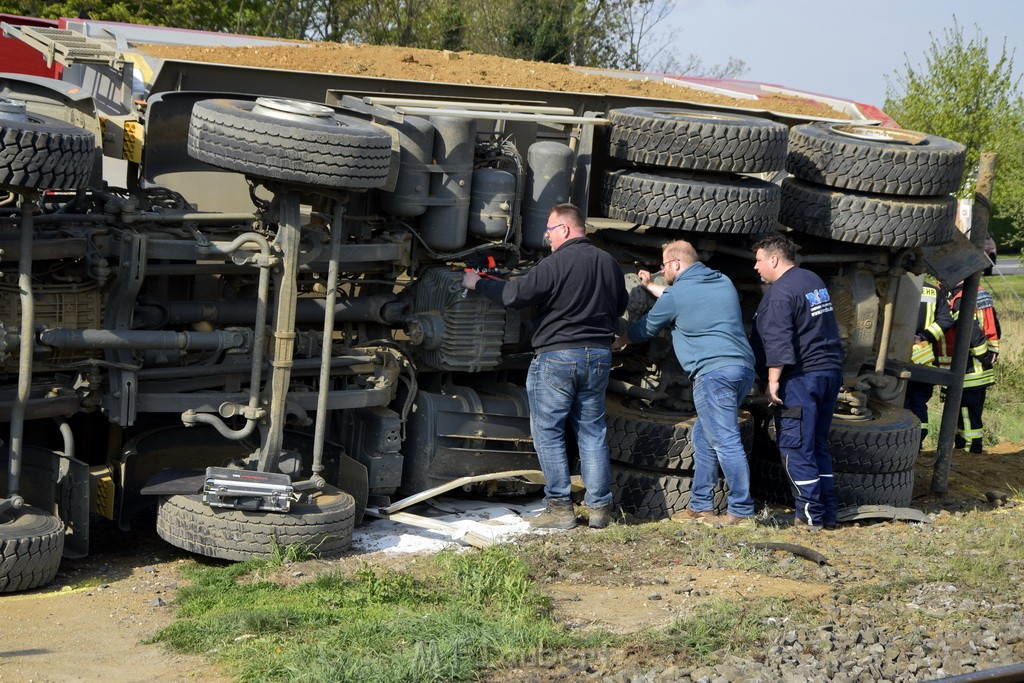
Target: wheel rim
[[294, 110], [875, 134], [13, 110]]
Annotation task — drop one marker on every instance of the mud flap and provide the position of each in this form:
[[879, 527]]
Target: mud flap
[[955, 260], [73, 506], [353, 480]]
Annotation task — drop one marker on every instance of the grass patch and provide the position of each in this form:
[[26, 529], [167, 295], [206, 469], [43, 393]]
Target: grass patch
[[722, 625], [1004, 408], [981, 555], [687, 543], [465, 612], [455, 617]]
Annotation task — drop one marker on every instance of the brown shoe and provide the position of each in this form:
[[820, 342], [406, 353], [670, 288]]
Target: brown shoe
[[558, 515], [728, 519], [688, 515]]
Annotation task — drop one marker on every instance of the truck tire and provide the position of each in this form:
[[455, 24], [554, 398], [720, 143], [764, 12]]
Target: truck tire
[[44, 153], [769, 482], [323, 523], [31, 545], [895, 489], [685, 201], [653, 495], [875, 160], [655, 441], [322, 149], [875, 220], [649, 440], [888, 443], [697, 140]]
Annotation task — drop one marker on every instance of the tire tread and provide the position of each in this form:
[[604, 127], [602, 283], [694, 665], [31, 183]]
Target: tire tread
[[820, 155], [31, 546], [695, 140], [225, 133], [716, 204], [323, 524], [45, 154], [874, 220]]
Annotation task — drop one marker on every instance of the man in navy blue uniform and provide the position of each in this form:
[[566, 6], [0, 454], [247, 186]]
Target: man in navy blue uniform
[[796, 339]]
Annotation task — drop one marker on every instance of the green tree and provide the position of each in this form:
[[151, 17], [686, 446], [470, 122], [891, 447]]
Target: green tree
[[191, 14], [1008, 223], [627, 34], [963, 93]]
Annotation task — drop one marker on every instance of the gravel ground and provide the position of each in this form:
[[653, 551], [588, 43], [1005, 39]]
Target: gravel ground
[[897, 601]]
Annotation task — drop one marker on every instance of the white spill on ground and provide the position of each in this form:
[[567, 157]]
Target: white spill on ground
[[497, 520]]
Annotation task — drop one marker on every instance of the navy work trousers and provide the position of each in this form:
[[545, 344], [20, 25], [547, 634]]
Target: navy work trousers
[[802, 425]]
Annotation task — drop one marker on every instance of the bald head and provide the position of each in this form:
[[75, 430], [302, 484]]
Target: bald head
[[682, 250]]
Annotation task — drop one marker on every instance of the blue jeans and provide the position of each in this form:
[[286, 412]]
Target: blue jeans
[[570, 384], [718, 394]]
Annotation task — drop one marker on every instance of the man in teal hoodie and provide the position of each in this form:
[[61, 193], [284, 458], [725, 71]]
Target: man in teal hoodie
[[703, 309]]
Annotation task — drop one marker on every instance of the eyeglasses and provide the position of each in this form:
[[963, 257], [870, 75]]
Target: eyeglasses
[[671, 260], [554, 227]]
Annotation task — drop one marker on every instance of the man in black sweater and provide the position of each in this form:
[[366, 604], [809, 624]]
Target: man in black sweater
[[579, 292], [796, 339]]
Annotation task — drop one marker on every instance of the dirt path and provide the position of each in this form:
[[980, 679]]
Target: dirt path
[[90, 623]]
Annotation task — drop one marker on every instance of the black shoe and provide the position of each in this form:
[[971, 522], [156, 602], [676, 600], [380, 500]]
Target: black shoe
[[976, 447], [959, 443]]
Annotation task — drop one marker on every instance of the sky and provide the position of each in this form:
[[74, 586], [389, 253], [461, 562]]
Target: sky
[[831, 47]]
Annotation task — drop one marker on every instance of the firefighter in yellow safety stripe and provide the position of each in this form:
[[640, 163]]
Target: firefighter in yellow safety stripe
[[980, 373], [933, 321]]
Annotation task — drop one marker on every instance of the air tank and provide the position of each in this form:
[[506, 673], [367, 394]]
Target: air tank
[[444, 224], [413, 184], [490, 203], [548, 175]]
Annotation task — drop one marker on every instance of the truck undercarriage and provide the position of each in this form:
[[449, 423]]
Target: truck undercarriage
[[269, 285]]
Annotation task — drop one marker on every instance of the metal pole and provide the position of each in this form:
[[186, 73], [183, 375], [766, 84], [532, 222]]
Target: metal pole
[[25, 352], [282, 354], [338, 236], [964, 327]]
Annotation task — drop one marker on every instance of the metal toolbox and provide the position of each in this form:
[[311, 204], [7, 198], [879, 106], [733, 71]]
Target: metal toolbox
[[247, 490]]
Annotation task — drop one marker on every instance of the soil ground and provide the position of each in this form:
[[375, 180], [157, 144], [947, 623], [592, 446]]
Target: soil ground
[[405, 63], [92, 622]]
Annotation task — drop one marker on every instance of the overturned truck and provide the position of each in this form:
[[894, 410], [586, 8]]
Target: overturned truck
[[233, 294]]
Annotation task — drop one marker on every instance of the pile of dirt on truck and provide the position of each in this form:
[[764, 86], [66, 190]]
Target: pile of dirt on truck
[[406, 63]]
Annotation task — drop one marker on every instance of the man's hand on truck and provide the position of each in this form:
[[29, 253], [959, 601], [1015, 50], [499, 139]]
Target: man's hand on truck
[[470, 279]]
